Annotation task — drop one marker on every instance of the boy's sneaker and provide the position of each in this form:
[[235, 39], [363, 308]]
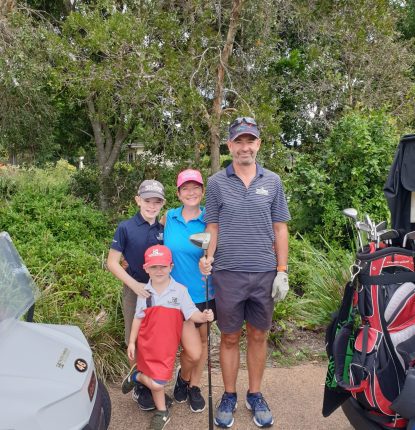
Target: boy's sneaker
[[159, 420], [262, 415], [196, 401], [142, 395], [224, 412], [129, 381], [181, 387]]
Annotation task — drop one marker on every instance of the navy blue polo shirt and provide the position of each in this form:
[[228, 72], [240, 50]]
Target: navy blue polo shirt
[[245, 217], [132, 238]]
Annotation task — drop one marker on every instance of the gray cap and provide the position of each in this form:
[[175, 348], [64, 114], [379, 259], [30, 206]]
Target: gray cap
[[151, 188], [243, 125]]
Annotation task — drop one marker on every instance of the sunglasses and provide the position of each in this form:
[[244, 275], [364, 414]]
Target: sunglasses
[[245, 119]]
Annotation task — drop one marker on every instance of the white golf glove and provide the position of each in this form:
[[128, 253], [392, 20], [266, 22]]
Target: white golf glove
[[280, 286]]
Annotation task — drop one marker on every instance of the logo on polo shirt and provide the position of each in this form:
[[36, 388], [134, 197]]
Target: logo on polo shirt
[[160, 237], [174, 301], [262, 191]]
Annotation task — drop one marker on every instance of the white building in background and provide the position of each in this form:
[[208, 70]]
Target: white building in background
[[133, 151]]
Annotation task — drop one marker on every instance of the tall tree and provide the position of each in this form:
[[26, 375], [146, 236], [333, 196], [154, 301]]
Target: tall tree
[[27, 114], [116, 63], [217, 108], [337, 56]]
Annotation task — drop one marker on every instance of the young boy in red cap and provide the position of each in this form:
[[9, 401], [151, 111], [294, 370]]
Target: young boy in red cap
[[156, 330]]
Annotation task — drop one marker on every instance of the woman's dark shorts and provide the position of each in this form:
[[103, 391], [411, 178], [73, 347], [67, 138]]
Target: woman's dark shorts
[[243, 296], [202, 306]]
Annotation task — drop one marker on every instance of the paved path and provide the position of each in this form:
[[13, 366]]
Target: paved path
[[294, 395]]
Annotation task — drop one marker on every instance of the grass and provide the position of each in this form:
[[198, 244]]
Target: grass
[[324, 273]]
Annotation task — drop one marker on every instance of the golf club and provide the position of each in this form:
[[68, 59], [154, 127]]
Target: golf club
[[202, 240], [408, 236], [352, 213], [373, 235], [386, 236], [362, 226], [381, 226]]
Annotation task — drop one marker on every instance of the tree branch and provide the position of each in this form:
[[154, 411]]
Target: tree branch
[[96, 127]]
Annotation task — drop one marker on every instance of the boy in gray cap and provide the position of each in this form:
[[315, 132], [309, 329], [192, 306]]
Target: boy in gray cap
[[131, 239]]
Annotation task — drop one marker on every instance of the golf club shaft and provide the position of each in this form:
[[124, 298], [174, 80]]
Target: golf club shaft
[[209, 363]]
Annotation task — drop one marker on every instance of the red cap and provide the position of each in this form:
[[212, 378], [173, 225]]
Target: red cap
[[189, 175], [157, 255]]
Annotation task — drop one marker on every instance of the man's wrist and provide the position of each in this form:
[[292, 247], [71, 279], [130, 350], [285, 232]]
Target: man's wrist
[[282, 268]]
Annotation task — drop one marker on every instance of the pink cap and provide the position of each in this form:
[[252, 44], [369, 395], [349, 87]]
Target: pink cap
[[189, 175], [157, 255]]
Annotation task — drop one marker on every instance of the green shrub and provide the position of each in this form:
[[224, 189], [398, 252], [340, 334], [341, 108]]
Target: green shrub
[[64, 244], [349, 170], [125, 180]]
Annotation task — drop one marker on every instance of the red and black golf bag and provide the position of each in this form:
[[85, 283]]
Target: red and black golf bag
[[371, 341], [381, 374]]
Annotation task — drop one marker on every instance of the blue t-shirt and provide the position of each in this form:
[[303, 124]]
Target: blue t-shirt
[[132, 238], [186, 256]]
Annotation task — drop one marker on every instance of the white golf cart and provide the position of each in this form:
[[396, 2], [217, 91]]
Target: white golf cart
[[47, 374]]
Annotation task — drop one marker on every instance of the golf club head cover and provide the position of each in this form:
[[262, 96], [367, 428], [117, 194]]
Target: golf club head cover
[[280, 286]]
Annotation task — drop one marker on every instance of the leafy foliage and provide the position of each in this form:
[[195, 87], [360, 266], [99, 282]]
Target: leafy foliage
[[27, 110], [349, 171]]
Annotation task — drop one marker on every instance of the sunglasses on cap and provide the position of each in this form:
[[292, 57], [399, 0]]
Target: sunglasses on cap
[[243, 119]]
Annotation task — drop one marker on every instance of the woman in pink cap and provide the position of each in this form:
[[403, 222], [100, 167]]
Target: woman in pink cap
[[180, 223]]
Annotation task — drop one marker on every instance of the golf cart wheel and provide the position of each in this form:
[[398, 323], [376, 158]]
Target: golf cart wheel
[[356, 417], [106, 403]]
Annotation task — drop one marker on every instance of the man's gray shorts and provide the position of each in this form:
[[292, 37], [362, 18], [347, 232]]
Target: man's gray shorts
[[243, 296]]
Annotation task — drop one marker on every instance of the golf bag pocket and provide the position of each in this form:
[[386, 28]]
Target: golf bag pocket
[[373, 371], [404, 404]]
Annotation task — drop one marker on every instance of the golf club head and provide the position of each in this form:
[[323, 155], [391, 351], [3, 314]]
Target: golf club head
[[350, 213], [360, 225], [408, 236], [388, 234], [381, 226], [201, 240]]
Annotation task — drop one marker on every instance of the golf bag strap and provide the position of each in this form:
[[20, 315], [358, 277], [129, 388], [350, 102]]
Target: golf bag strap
[[363, 377], [387, 279], [378, 418], [148, 302]]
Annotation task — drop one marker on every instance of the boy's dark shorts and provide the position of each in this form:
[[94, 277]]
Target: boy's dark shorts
[[243, 296], [202, 306]]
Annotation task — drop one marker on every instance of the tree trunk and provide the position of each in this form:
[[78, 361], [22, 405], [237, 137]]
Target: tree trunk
[[105, 192], [196, 159], [108, 151], [215, 117]]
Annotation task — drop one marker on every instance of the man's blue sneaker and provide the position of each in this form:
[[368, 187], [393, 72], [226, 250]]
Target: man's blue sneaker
[[224, 412], [262, 415]]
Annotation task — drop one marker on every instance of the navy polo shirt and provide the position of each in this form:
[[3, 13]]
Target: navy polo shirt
[[132, 238], [245, 217]]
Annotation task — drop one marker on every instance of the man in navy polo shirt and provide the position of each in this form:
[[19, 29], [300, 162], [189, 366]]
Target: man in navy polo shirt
[[247, 215], [131, 239]]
